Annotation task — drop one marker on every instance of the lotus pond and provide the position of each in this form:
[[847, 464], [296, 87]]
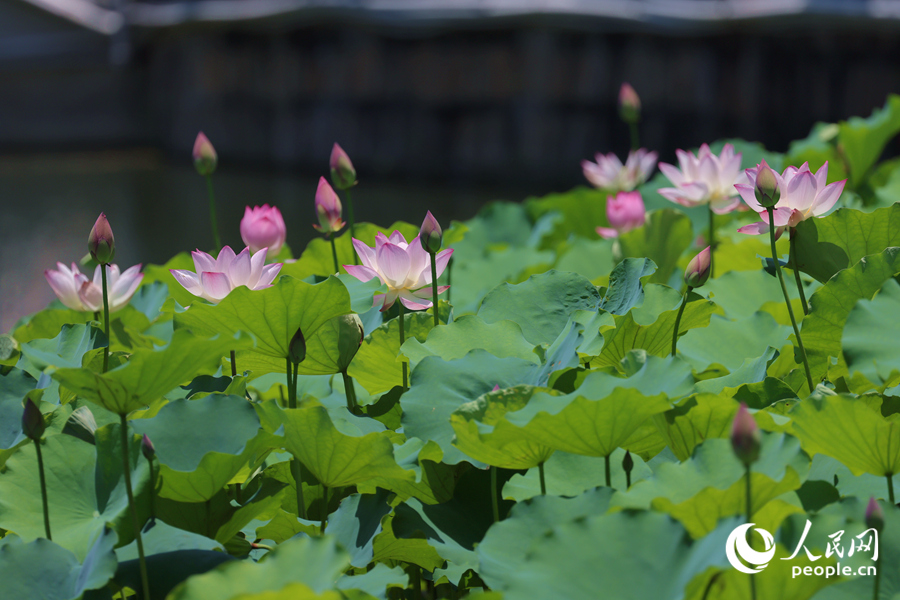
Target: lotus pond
[[680, 385]]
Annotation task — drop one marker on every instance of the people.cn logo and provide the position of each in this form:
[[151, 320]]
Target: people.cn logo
[[739, 551]]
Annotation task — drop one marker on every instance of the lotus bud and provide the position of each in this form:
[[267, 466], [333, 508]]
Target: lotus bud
[[627, 463], [697, 272], [205, 159], [767, 193], [297, 348], [147, 448], [343, 175], [874, 515], [32, 421], [629, 104], [430, 234], [350, 338], [263, 227], [328, 208], [745, 436], [101, 242]]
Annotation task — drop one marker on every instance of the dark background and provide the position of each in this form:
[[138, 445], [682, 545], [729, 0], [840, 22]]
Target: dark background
[[441, 105]]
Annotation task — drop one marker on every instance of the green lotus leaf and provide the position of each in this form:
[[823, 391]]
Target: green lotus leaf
[[573, 474], [751, 371], [730, 343], [625, 289], [695, 419], [870, 341], [483, 433], [665, 236], [851, 431], [830, 244], [585, 426], [317, 259], [656, 337], [591, 258], [582, 210], [631, 556], [14, 385], [272, 315], [63, 351], [42, 569], [542, 305], [454, 340], [417, 551], [160, 537], [816, 148], [830, 470], [334, 457], [202, 444], [833, 302], [439, 387], [711, 484], [149, 374], [299, 568], [85, 489], [377, 366], [376, 583], [863, 140], [356, 523]]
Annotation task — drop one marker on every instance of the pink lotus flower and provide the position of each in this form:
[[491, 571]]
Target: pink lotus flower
[[263, 227], [802, 195], [215, 278], [343, 175], [78, 292], [609, 173], [328, 208], [624, 213], [404, 268], [705, 179], [205, 158]]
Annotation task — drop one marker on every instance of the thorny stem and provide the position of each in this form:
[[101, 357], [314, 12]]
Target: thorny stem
[[40, 459], [126, 464], [678, 320], [797, 274], [212, 214], [105, 317], [787, 299]]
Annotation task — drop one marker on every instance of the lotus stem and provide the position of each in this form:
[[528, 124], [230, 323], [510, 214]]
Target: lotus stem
[[712, 242], [678, 317], [40, 460], [787, 299], [233, 365], [635, 138], [434, 287], [749, 520], [126, 464], [212, 214], [876, 585], [297, 473], [350, 392], [105, 317], [890, 484], [608, 471], [152, 490], [291, 372], [337, 266], [449, 274], [351, 222], [324, 508], [543, 481], [494, 503], [797, 272], [403, 339]]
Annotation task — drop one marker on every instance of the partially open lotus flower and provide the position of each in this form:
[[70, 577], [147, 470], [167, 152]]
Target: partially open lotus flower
[[263, 227], [216, 277], [404, 268], [705, 179], [328, 208], [624, 212], [609, 173], [802, 195], [77, 292], [697, 272]]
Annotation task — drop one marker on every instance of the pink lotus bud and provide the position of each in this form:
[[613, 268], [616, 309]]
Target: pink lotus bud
[[328, 208], [32, 421], [430, 234], [745, 436], [101, 242], [697, 271], [629, 104], [343, 175], [297, 348], [766, 190], [205, 159], [624, 212], [496, 388], [874, 515], [147, 448], [263, 227]]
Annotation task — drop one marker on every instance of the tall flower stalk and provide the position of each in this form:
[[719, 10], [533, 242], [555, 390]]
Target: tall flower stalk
[[126, 467], [630, 112], [296, 355], [695, 275], [793, 240], [149, 452], [102, 246], [431, 236], [746, 443], [205, 161], [343, 176], [875, 521], [328, 209], [33, 428]]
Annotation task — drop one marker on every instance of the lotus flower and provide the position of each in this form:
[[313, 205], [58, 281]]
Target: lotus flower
[[698, 269], [609, 173], [205, 158], [404, 268], [705, 179], [624, 213], [745, 436], [629, 103], [263, 227], [343, 175], [78, 292], [328, 208], [802, 195], [215, 278]]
